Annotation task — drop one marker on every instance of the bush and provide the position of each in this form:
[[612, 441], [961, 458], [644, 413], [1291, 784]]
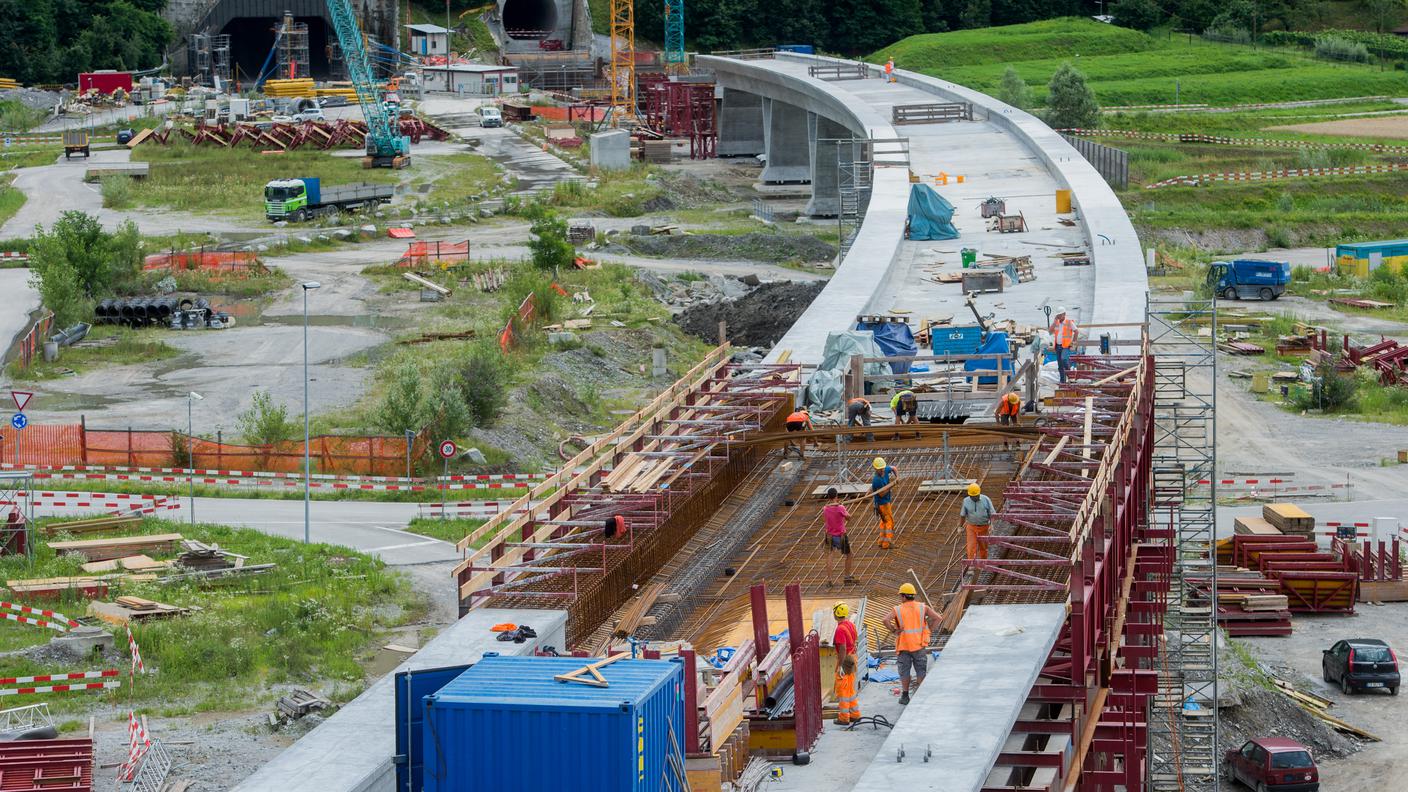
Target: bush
[[117, 192], [444, 413], [1336, 48], [484, 380], [400, 408], [551, 250], [1329, 392], [76, 262], [1228, 34], [1014, 90], [1069, 101], [1138, 14], [1389, 286], [266, 423]]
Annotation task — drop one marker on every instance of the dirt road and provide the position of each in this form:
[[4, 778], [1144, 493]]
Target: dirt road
[[1395, 126]]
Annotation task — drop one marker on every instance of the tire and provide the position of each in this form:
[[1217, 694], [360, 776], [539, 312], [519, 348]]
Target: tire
[[1393, 691], [1345, 687], [300, 215], [1266, 294], [1325, 673], [1229, 294], [1261, 786]]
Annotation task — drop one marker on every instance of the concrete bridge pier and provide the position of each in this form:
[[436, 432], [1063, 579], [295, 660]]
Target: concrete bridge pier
[[822, 134], [740, 124], [786, 139]]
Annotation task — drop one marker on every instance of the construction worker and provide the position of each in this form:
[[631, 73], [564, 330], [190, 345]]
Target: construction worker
[[799, 421], [858, 414], [890, 70], [976, 515], [847, 704], [1008, 408], [905, 406], [910, 622], [835, 515], [1063, 339], [881, 493]]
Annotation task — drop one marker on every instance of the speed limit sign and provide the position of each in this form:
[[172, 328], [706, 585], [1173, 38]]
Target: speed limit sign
[[448, 449]]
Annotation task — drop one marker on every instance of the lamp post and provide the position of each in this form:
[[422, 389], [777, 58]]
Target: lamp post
[[307, 468], [191, 398]]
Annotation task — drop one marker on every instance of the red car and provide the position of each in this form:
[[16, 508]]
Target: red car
[[1273, 764]]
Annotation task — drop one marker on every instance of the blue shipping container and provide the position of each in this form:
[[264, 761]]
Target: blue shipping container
[[505, 725], [955, 340], [800, 49]]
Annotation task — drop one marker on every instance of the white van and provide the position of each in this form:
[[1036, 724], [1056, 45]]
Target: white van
[[489, 116]]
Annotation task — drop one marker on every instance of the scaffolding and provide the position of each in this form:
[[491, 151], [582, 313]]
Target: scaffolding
[[292, 49], [210, 59], [622, 69], [1183, 727], [856, 160], [675, 60], [16, 510]]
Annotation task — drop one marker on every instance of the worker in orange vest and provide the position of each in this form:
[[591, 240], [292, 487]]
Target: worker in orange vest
[[890, 70], [1063, 337], [1008, 408], [976, 514], [910, 622], [847, 703], [882, 485], [799, 421]]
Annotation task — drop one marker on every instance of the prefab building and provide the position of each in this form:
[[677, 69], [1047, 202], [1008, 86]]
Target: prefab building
[[478, 79], [1362, 258]]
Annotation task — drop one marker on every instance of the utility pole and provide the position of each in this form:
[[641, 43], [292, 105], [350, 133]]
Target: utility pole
[[307, 468]]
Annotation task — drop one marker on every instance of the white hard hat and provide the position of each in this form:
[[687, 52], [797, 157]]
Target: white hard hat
[[1060, 310]]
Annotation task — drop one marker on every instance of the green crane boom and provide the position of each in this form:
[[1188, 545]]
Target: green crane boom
[[386, 147]]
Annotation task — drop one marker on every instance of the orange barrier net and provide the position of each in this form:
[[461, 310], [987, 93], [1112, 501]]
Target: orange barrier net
[[74, 444], [202, 260], [421, 253]]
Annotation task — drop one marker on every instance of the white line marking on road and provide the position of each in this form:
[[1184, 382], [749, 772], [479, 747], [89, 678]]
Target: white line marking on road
[[400, 546], [412, 535]]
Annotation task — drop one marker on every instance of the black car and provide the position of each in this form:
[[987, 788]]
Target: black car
[[1361, 663], [125, 135]]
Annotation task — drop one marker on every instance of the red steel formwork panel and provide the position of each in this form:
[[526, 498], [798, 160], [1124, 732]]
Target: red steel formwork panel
[[34, 765], [1076, 524]]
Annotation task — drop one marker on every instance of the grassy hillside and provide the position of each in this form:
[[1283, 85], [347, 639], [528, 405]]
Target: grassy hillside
[[1125, 67]]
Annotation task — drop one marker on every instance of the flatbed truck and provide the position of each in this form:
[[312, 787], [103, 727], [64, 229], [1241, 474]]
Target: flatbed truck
[[297, 200]]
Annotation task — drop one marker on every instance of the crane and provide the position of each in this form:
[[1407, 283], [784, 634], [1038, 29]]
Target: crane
[[386, 147]]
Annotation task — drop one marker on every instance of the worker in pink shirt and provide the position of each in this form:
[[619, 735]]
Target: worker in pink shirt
[[835, 515]]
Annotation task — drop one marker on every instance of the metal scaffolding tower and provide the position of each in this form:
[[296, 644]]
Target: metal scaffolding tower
[[1183, 752], [622, 69], [210, 59], [675, 61], [856, 160], [292, 52]]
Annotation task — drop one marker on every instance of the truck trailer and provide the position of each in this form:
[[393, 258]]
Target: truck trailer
[[297, 200]]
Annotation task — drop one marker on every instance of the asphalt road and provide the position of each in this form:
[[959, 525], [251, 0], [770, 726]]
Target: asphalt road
[[368, 527], [19, 300]]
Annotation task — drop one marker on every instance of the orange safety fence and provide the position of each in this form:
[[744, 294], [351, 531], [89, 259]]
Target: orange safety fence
[[32, 343], [75, 444], [202, 260], [421, 253], [508, 337]]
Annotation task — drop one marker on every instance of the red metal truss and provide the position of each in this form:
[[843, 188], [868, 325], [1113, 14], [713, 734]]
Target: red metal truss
[[1074, 525], [33, 765]]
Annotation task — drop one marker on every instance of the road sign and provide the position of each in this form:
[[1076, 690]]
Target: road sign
[[448, 449], [21, 399], [19, 421]]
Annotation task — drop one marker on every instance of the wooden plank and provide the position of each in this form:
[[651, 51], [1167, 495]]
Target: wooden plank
[[1055, 452], [1089, 421], [419, 281]]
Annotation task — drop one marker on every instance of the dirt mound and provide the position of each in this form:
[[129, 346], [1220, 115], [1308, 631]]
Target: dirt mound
[[759, 318], [776, 248]]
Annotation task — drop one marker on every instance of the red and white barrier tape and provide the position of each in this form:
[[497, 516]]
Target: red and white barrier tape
[[1290, 173], [48, 614], [10, 255], [109, 672], [1186, 137], [25, 691], [15, 617], [184, 472]]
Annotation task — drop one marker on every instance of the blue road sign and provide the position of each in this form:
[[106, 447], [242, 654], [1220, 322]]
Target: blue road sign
[[19, 421]]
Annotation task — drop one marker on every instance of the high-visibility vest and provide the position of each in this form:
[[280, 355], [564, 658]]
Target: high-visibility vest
[[914, 629], [799, 417], [889, 66], [1064, 332], [1006, 407]]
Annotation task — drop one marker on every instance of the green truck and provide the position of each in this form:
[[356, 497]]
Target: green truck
[[297, 200]]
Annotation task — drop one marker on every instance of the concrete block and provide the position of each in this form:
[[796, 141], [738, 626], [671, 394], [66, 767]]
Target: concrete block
[[81, 642], [611, 150], [561, 338], [786, 144]]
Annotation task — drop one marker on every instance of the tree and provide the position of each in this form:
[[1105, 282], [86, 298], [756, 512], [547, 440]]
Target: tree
[[1013, 90], [1138, 14], [1070, 104], [484, 380], [76, 262], [1384, 12], [551, 250], [444, 413], [400, 408], [265, 423]]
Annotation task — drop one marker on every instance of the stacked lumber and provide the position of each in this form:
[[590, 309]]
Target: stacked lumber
[[289, 88], [1289, 518], [1248, 603], [1255, 526], [8, 84], [198, 555], [1318, 706], [91, 525], [132, 563], [657, 151], [125, 610], [118, 547]]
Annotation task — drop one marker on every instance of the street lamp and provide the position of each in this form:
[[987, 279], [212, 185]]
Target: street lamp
[[191, 398], [307, 469]]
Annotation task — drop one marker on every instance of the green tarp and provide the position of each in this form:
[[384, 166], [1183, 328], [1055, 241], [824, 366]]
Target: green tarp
[[930, 215]]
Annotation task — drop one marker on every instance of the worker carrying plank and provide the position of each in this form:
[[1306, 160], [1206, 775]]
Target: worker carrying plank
[[976, 515], [799, 421], [835, 515], [1008, 408], [1063, 338], [881, 494], [910, 622], [847, 698]]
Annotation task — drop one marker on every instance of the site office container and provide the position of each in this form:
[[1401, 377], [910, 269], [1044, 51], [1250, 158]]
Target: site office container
[[506, 725], [1361, 258], [105, 81]]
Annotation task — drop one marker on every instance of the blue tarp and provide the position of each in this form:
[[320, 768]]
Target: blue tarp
[[895, 339], [930, 216], [995, 343]]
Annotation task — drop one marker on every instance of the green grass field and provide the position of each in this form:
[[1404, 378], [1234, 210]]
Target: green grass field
[[11, 199], [1126, 67], [130, 345]]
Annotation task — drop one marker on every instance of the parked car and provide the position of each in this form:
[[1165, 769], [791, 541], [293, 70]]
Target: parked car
[[311, 114], [1273, 764], [123, 136], [489, 116], [1359, 664]]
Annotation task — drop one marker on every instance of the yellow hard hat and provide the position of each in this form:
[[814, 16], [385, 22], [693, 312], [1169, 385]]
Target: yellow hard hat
[[879, 463], [1013, 397], [840, 610], [907, 588], [974, 489]]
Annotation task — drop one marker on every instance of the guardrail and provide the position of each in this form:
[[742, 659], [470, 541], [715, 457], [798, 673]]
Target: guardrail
[[760, 53], [934, 113], [839, 71]]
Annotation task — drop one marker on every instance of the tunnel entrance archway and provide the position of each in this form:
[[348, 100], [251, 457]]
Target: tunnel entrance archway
[[251, 39], [529, 20]]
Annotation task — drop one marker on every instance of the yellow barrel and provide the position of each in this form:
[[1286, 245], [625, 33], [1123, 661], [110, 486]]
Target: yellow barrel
[[1261, 381], [1063, 202]]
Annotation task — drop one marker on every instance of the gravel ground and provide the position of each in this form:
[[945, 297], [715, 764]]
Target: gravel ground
[[755, 246], [1382, 127], [759, 318]]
